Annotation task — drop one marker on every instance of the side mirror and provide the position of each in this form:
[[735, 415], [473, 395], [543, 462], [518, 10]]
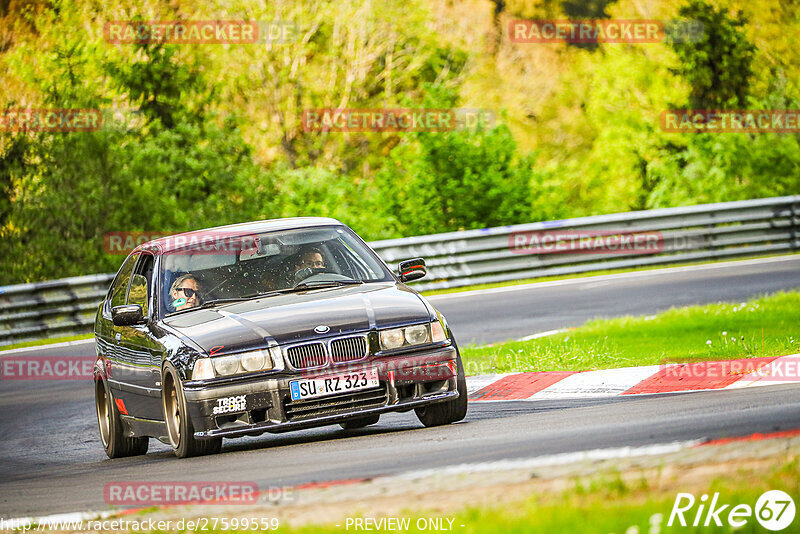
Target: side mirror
[[412, 269], [127, 315]]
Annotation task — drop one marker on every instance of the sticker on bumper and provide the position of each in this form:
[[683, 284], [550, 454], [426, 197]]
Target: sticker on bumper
[[230, 404]]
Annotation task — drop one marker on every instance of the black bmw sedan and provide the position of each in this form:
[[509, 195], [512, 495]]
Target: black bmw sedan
[[267, 326]]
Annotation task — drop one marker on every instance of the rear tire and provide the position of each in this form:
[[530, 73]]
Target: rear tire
[[179, 425], [115, 443], [354, 424], [444, 413]]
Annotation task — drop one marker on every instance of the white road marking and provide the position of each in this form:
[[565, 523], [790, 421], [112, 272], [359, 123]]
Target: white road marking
[[783, 370], [50, 346], [603, 383], [542, 334], [550, 460]]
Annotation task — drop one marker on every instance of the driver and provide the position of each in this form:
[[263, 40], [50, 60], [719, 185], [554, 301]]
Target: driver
[[308, 261], [185, 292], [311, 258]]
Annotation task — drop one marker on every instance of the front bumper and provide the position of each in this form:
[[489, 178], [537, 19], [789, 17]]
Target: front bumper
[[254, 406]]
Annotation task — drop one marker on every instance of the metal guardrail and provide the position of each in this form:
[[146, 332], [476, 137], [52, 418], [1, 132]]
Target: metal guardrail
[[696, 233], [50, 309]]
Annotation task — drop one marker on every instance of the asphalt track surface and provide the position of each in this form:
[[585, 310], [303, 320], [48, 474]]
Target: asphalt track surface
[[51, 459]]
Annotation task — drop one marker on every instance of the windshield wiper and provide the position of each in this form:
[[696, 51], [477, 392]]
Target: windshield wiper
[[216, 302], [209, 304], [302, 286]]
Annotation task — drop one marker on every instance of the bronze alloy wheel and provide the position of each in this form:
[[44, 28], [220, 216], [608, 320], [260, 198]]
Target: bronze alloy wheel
[[117, 440], [103, 415], [172, 411], [179, 425]]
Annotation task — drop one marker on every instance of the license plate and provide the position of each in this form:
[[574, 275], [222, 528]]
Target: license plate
[[331, 385]]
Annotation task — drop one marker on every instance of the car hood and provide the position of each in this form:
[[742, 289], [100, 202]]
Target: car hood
[[293, 317]]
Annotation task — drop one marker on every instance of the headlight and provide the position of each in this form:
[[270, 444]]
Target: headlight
[[412, 335], [416, 335], [226, 365], [391, 339], [253, 361], [244, 362]]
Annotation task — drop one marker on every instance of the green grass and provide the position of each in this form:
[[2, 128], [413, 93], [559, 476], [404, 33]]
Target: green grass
[[582, 275], [769, 326], [46, 341], [608, 504]]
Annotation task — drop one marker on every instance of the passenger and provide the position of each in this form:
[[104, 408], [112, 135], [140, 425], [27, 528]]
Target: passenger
[[185, 292]]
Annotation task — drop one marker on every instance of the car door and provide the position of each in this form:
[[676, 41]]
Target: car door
[[109, 336], [140, 346]]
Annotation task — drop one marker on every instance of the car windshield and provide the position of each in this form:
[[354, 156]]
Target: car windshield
[[214, 266]]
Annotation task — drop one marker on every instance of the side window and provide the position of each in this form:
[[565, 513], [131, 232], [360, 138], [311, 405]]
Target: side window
[[120, 287], [140, 283]]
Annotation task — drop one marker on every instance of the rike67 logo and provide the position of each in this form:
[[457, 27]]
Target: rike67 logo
[[774, 510]]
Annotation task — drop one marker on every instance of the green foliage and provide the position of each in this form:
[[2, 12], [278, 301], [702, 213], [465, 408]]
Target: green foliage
[[471, 178], [178, 170], [715, 168], [159, 84], [718, 66], [324, 192], [585, 9], [218, 138]]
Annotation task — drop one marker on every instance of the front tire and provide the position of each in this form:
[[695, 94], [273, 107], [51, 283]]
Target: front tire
[[115, 443], [448, 412], [179, 425]]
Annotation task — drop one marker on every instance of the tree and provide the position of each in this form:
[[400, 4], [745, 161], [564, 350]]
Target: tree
[[446, 181], [180, 168], [717, 65]]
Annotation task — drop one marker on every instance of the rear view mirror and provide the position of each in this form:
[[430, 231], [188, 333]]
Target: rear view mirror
[[412, 269], [127, 315]]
